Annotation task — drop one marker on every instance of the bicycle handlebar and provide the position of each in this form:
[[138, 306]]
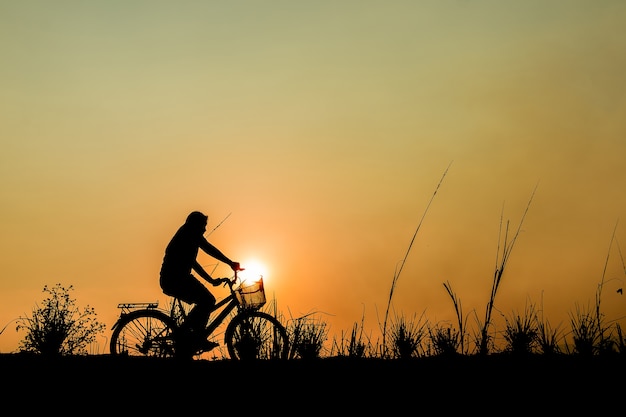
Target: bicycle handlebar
[[232, 281]]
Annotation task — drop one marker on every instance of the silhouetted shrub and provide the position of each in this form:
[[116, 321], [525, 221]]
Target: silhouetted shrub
[[59, 327]]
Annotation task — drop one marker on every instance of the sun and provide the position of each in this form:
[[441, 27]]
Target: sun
[[253, 270]]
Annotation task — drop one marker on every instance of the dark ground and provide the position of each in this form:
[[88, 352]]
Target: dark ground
[[494, 385]]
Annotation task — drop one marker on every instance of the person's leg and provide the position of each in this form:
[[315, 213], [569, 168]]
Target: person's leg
[[198, 316], [196, 293]]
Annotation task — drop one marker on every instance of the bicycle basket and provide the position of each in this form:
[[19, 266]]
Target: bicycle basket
[[251, 295]]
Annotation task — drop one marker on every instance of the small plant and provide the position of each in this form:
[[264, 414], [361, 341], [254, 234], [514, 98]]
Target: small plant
[[456, 338], [548, 338], [407, 337], [307, 338], [445, 341], [484, 339], [590, 334], [354, 346], [59, 328], [586, 333], [520, 333]]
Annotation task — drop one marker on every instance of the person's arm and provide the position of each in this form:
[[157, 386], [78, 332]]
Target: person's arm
[[217, 254], [204, 274]]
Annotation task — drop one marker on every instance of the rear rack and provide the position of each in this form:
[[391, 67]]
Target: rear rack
[[126, 307]]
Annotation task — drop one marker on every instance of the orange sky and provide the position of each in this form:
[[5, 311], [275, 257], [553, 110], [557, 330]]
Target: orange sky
[[319, 131]]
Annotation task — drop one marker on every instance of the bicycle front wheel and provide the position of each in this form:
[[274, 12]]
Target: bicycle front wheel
[[144, 333], [255, 335]]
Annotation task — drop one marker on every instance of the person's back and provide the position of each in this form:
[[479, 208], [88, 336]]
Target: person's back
[[180, 256]]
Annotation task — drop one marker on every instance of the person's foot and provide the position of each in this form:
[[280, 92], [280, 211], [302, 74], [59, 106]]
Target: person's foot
[[206, 345]]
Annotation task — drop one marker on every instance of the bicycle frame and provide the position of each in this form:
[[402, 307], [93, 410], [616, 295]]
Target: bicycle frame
[[229, 303]]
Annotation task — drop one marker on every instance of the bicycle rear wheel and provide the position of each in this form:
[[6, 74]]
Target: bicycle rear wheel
[[255, 335], [144, 333]]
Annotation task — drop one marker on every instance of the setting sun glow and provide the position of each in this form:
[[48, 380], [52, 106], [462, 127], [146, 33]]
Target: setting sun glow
[[253, 271]]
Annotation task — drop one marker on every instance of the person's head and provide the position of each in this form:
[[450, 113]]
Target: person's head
[[197, 219]]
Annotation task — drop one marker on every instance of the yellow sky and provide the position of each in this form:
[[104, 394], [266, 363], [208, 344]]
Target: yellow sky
[[319, 131]]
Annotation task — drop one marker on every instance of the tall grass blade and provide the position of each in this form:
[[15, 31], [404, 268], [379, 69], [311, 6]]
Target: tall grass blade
[[399, 270], [506, 252]]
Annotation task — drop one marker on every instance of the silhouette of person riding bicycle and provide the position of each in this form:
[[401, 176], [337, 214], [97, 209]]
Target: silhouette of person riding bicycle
[[178, 281], [145, 330]]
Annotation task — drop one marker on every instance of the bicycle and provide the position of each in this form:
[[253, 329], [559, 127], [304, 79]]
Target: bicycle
[[145, 330]]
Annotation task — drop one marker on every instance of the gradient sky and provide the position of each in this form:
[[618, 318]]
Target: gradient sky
[[318, 131]]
